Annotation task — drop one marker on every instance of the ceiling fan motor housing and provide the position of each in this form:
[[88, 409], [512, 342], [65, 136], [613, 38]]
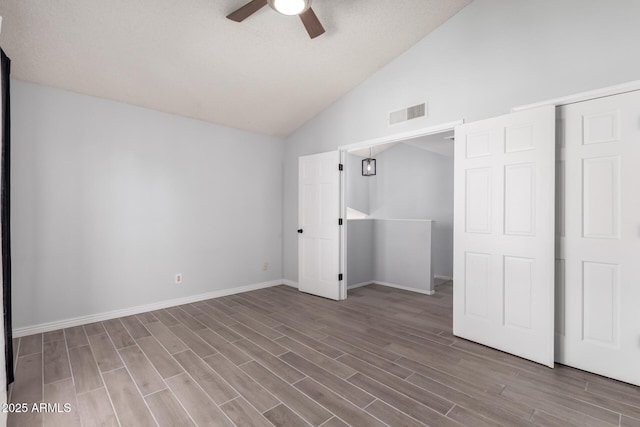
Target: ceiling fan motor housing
[[301, 8], [290, 7]]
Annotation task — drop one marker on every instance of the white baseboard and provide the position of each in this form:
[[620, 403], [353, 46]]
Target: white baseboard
[[405, 288], [358, 285], [391, 285], [443, 277], [83, 320], [290, 283]]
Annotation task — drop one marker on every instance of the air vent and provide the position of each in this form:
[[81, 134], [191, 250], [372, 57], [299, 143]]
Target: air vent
[[409, 113]]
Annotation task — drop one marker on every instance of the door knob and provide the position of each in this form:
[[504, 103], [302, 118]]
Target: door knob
[[300, 230]]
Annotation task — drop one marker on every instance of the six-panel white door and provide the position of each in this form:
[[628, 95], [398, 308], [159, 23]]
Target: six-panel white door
[[319, 232], [503, 292], [598, 226]]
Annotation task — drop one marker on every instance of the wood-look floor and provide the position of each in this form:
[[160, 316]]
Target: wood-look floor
[[277, 356]]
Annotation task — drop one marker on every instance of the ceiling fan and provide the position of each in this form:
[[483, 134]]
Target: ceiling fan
[[302, 8]]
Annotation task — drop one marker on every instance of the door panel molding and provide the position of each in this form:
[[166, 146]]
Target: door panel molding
[[504, 215], [600, 242], [318, 229]]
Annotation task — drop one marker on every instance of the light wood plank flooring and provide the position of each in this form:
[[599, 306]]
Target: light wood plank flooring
[[279, 357]]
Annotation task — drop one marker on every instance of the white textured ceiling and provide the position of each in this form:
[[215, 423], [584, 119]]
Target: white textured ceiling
[[184, 57]]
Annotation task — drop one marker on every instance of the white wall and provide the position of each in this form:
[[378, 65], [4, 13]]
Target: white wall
[[493, 55], [413, 183], [357, 185], [110, 201]]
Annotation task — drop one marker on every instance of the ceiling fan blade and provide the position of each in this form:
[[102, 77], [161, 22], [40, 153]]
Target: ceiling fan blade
[[311, 23], [247, 10]]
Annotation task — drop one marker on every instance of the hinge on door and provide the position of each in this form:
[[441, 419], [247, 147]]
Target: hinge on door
[[340, 167], [340, 221], [340, 277]]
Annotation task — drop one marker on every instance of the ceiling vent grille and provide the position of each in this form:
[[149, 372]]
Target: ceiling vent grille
[[409, 113]]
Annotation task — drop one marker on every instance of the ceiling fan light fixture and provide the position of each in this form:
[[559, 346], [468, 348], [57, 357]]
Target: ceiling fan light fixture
[[290, 7]]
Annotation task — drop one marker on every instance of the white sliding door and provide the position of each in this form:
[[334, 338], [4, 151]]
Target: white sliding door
[[504, 233], [319, 230], [598, 326]]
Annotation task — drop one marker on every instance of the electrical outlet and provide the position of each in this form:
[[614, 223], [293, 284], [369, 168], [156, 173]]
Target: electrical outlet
[[265, 266], [178, 278]]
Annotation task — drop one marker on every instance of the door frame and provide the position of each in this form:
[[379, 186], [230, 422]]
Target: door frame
[[583, 96], [344, 149]]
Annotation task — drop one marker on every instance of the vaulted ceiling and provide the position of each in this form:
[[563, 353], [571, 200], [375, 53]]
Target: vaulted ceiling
[[183, 57]]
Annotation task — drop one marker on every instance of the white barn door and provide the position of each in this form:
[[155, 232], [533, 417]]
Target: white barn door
[[504, 233], [319, 230], [599, 236]]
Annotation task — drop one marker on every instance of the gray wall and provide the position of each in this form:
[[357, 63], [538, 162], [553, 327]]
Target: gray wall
[[360, 251], [390, 251], [413, 183], [403, 253], [493, 55], [110, 201]]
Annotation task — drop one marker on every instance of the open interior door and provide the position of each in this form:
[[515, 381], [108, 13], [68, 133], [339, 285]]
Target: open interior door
[[504, 233], [319, 229]]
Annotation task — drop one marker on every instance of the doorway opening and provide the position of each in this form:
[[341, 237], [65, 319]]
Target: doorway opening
[[399, 222]]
